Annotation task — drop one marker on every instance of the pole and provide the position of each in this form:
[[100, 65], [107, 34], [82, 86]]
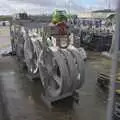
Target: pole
[[109, 4], [111, 98]]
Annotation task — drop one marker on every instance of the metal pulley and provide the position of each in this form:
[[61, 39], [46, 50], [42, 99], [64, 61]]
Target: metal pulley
[[61, 70], [55, 72], [31, 55], [80, 64], [72, 69], [20, 46]]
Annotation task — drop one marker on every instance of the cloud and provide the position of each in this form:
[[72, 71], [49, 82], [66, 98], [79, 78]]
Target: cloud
[[5, 8], [47, 6], [40, 2], [107, 3], [51, 3]]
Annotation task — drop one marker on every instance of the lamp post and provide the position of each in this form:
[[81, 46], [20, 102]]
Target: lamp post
[[109, 4]]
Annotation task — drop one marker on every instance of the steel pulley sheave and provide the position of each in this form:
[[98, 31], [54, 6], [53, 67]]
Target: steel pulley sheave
[[72, 69], [12, 38], [31, 55], [20, 46], [53, 72], [15, 40], [80, 64]]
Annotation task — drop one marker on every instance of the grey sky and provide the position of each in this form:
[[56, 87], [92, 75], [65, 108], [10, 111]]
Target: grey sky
[[45, 6]]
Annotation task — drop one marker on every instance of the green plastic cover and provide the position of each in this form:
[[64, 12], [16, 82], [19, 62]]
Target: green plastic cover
[[59, 16]]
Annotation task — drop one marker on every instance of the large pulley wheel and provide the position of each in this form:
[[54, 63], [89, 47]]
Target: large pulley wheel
[[54, 72], [30, 57], [38, 47], [20, 48], [80, 66], [72, 69], [13, 41]]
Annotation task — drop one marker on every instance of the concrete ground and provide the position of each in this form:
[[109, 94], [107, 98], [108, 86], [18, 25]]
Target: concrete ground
[[4, 42], [22, 99], [2, 105]]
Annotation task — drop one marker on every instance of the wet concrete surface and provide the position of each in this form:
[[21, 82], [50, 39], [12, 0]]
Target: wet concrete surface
[[3, 112], [23, 101]]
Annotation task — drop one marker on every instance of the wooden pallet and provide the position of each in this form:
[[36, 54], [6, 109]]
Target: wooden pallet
[[102, 65], [103, 81]]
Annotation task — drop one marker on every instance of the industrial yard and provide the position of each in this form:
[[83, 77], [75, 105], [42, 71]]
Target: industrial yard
[[60, 63]]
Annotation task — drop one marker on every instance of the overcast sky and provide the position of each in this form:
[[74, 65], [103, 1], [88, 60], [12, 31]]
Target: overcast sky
[[47, 6]]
